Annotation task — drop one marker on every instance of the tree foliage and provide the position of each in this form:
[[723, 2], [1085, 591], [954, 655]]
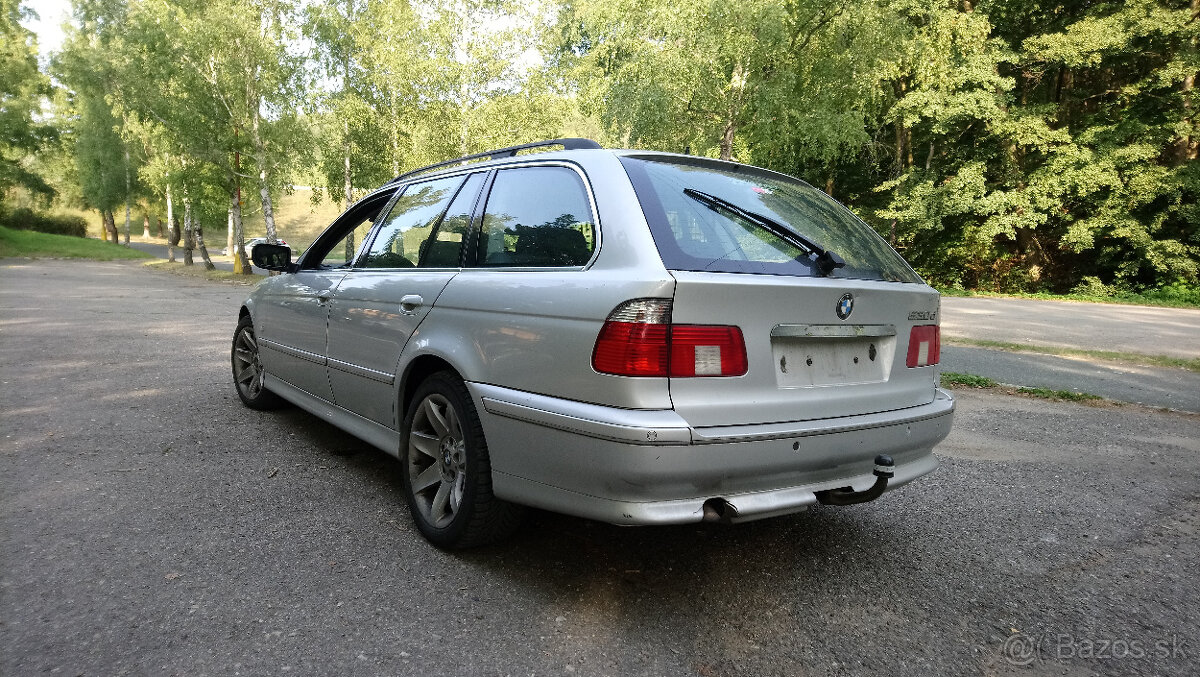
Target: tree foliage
[[22, 88], [1015, 145]]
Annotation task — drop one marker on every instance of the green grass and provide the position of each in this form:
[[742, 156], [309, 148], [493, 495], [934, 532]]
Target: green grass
[[953, 378], [1048, 394], [1191, 364], [1172, 297], [28, 244]]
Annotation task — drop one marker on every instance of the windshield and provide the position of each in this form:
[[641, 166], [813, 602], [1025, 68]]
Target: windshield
[[693, 236]]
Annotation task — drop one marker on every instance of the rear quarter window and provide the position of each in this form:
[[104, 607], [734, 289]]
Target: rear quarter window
[[691, 235], [537, 216]]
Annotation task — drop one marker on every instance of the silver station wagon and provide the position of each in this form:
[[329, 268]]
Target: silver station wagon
[[626, 336]]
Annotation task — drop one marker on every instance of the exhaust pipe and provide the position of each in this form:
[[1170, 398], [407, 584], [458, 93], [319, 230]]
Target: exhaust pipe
[[884, 471], [719, 510]]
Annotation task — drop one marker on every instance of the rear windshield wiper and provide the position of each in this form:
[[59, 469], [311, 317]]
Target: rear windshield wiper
[[824, 260]]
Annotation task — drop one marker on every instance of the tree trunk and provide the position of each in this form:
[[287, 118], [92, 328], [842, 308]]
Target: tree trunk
[[146, 225], [158, 221], [128, 194], [208, 264], [1187, 144], [238, 248], [172, 226], [110, 225], [264, 176], [727, 138], [737, 87], [464, 124], [189, 233], [348, 191], [395, 124], [899, 87], [229, 233]]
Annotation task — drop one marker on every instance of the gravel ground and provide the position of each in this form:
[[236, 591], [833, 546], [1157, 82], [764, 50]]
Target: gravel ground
[[149, 524]]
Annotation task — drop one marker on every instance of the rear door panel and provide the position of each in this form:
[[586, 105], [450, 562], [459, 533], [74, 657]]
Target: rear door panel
[[368, 328]]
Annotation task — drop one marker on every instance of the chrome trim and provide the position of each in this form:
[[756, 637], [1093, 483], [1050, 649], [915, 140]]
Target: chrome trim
[[294, 352], [375, 434], [355, 370], [658, 427], [648, 427], [832, 330]]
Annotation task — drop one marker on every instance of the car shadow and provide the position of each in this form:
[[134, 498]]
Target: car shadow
[[553, 555]]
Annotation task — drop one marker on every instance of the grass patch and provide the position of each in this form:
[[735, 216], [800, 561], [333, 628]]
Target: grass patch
[[197, 270], [30, 244], [1191, 364], [953, 378], [1048, 394], [1172, 297]]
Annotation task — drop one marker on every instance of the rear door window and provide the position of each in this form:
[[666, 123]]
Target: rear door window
[[402, 236], [536, 217], [442, 249], [707, 215]]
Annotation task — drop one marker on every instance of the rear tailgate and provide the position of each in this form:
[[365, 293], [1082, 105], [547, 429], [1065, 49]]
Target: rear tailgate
[[804, 361]]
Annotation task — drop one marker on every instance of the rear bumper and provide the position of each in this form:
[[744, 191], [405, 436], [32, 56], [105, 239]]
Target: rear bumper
[[649, 467]]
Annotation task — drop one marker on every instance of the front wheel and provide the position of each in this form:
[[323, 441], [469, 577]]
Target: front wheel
[[248, 372], [446, 469]]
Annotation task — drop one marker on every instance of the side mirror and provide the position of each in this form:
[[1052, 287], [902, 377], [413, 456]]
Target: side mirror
[[277, 257]]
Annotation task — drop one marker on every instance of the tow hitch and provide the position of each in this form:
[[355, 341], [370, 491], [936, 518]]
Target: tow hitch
[[884, 471]]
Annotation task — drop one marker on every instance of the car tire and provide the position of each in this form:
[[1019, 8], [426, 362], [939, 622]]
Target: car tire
[[248, 371], [446, 470]]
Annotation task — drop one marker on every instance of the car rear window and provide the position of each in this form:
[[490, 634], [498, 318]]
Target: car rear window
[[707, 215]]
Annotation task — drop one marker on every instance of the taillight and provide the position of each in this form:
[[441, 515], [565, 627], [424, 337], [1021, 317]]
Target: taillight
[[638, 339], [924, 345], [704, 350]]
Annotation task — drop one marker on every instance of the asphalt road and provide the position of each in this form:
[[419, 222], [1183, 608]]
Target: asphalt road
[[149, 524], [1139, 330], [1173, 332], [1170, 388]]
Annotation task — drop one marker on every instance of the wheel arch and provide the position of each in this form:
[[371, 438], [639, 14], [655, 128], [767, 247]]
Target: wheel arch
[[415, 372]]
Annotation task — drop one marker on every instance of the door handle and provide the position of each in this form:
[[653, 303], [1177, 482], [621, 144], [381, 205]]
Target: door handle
[[410, 303], [323, 296]]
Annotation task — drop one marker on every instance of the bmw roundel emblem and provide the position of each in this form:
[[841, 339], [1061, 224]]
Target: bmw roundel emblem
[[845, 306]]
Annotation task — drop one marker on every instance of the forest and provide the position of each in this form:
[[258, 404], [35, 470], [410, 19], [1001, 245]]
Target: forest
[[1014, 146]]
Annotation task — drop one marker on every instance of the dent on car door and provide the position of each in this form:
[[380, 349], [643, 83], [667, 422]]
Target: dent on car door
[[293, 315], [414, 252]]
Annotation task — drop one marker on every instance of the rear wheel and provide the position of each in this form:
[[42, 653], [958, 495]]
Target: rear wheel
[[247, 368], [447, 472]]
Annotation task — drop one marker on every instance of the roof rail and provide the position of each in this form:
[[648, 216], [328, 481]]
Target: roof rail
[[511, 151]]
